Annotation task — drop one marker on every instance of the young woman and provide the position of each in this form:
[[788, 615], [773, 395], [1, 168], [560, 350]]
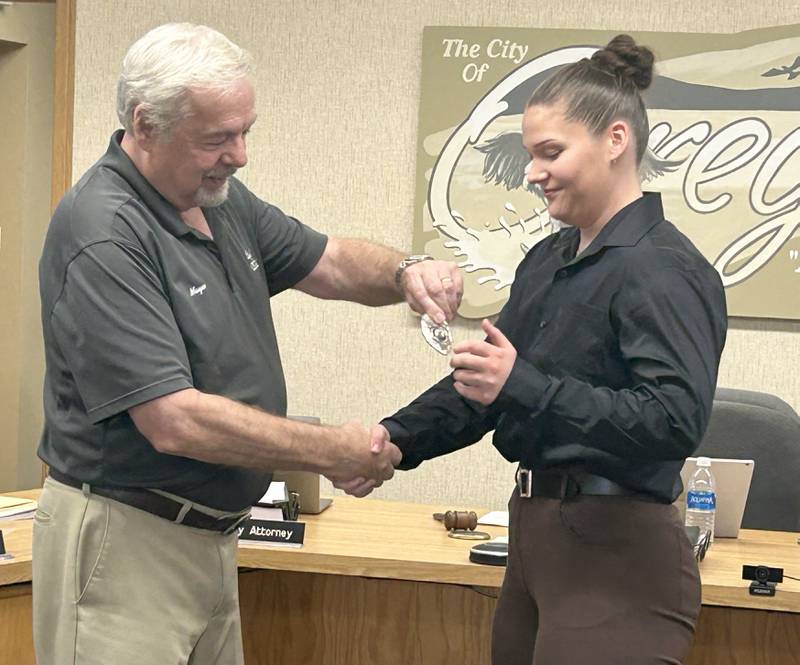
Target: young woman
[[598, 379]]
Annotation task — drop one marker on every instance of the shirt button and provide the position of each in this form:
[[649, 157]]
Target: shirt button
[[542, 324]]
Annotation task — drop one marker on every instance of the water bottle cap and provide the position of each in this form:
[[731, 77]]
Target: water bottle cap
[[703, 461]]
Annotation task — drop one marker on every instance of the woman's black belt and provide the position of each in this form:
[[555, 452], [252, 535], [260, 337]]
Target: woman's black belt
[[566, 484], [158, 504]]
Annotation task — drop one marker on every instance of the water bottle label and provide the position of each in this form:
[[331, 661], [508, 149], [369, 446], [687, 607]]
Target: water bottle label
[[701, 500]]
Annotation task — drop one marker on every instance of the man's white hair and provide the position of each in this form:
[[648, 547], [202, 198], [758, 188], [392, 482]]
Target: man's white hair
[[162, 67]]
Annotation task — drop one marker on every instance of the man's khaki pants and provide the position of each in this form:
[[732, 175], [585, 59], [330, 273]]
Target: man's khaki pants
[[114, 584]]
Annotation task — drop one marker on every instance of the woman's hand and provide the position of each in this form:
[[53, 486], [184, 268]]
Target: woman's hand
[[482, 366]]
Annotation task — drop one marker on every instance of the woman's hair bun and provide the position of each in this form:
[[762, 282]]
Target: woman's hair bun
[[624, 58]]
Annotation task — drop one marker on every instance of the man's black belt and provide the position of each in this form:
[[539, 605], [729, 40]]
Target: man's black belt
[[567, 484], [157, 504]]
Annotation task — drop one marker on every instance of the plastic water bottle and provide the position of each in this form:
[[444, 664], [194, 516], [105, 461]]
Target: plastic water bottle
[[701, 498]]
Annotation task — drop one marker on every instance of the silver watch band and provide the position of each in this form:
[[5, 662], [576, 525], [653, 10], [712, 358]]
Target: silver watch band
[[408, 261]]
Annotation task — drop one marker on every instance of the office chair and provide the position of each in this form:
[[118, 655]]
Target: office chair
[[752, 425]]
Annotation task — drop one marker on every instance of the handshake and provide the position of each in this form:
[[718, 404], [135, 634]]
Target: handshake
[[364, 460]]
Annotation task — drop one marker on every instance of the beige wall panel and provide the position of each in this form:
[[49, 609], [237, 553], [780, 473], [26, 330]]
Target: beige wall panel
[[25, 146], [38, 159], [338, 86], [13, 63]]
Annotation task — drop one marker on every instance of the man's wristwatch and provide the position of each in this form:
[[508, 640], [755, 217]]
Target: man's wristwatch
[[408, 261]]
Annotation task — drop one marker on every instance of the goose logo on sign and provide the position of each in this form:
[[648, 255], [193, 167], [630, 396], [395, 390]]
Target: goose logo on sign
[[723, 150]]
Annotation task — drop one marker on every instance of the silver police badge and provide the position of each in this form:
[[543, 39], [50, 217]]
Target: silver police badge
[[438, 336]]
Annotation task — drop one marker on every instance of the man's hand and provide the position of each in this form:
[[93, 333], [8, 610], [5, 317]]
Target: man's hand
[[368, 459], [482, 366], [433, 288]]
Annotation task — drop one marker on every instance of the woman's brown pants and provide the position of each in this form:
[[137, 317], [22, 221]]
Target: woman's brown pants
[[595, 580]]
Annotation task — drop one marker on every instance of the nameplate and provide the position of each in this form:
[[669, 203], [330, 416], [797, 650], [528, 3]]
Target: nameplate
[[275, 532]]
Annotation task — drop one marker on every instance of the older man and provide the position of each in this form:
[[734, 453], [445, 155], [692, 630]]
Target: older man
[[164, 393]]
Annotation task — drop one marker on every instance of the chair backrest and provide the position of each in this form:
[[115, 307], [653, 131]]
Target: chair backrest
[[759, 426]]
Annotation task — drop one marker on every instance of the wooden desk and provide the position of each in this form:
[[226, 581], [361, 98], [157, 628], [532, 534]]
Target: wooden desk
[[16, 634], [381, 583]]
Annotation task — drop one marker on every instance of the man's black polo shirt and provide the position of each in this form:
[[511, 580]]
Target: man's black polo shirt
[[618, 351], [136, 305]]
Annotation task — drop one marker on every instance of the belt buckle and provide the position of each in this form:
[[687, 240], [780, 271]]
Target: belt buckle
[[525, 482], [236, 524]]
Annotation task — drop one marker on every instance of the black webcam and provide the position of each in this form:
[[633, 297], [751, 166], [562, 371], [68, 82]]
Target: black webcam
[[765, 579]]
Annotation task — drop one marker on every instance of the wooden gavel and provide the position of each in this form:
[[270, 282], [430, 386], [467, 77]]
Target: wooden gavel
[[458, 519]]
